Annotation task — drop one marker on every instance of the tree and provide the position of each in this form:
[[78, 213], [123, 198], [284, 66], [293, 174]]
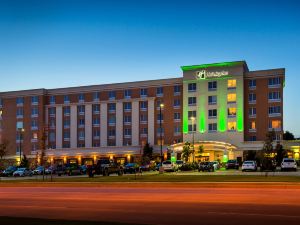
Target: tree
[[288, 136], [280, 153], [147, 153], [43, 146], [3, 148], [267, 150], [186, 151], [24, 162]]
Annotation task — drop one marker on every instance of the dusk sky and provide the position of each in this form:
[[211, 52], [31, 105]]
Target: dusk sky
[[50, 44]]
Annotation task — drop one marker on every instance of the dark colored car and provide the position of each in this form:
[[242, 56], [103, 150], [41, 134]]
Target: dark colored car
[[60, 170], [8, 172], [157, 166], [145, 167], [232, 164], [73, 170], [106, 167], [131, 168], [84, 169], [206, 167]]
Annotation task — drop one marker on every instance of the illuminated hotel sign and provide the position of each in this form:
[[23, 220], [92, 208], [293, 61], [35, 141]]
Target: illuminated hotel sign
[[203, 74]]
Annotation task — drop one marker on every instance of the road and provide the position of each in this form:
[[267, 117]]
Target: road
[[157, 203]]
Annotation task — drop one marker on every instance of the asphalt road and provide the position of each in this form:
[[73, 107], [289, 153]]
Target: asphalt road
[[157, 203]]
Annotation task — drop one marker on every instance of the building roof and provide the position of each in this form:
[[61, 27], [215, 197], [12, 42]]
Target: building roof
[[222, 64]]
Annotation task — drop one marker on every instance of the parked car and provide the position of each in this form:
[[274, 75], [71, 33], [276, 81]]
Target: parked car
[[131, 168], [179, 164], [107, 167], [215, 164], [22, 172], [83, 169], [50, 170], [73, 170], [249, 165], [268, 164], [206, 167], [39, 170], [232, 164], [145, 167], [168, 166], [8, 172], [157, 166], [288, 164], [60, 170]]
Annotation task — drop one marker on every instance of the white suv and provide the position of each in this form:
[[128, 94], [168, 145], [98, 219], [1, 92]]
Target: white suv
[[288, 164]]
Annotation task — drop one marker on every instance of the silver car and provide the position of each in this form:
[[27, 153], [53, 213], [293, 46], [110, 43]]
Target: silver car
[[22, 172]]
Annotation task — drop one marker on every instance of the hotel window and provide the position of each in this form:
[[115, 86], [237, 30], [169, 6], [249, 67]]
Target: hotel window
[[81, 122], [66, 111], [192, 127], [177, 130], [52, 111], [252, 111], [212, 100], [34, 111], [111, 107], [144, 105], [252, 97], [20, 101], [81, 135], [231, 126], [176, 103], [34, 124], [192, 101], [96, 96], [127, 106], [231, 112], [34, 100], [111, 95], [252, 84], [111, 132], [81, 97], [231, 97], [192, 114], [275, 81], [96, 109], [81, 109], [20, 112], [96, 133], [66, 134], [275, 124], [127, 93], [143, 92], [192, 87], [252, 138], [127, 131], [144, 130], [127, 119], [143, 118], [252, 125], [159, 91], [66, 145], [212, 85], [231, 84], [160, 117], [66, 99], [52, 137], [52, 123], [34, 147], [277, 137], [177, 89], [160, 131], [112, 119], [52, 100], [274, 110], [1, 102], [81, 145], [96, 121], [212, 127], [66, 123], [176, 116], [274, 96], [212, 113]]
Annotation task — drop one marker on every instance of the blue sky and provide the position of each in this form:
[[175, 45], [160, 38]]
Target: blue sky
[[53, 44]]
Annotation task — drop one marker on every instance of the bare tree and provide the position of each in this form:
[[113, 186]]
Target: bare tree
[[3, 148]]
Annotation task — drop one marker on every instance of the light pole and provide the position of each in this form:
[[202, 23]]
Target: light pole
[[193, 122], [160, 133], [21, 131]]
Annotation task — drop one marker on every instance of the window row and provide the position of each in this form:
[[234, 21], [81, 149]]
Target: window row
[[212, 85]]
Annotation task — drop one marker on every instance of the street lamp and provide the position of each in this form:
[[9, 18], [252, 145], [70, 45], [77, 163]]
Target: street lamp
[[21, 132], [160, 133], [193, 122]]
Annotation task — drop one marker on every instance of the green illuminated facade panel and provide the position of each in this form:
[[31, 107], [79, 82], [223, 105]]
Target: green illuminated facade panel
[[203, 66], [240, 105], [202, 113]]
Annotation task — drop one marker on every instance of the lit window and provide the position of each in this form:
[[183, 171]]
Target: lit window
[[252, 125], [231, 97], [275, 124], [231, 83], [231, 112], [34, 135], [231, 125]]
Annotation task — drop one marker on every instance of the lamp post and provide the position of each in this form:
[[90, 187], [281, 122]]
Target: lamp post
[[21, 131], [193, 122], [160, 133]]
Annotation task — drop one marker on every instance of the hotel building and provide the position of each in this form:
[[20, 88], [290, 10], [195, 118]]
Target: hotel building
[[223, 106]]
